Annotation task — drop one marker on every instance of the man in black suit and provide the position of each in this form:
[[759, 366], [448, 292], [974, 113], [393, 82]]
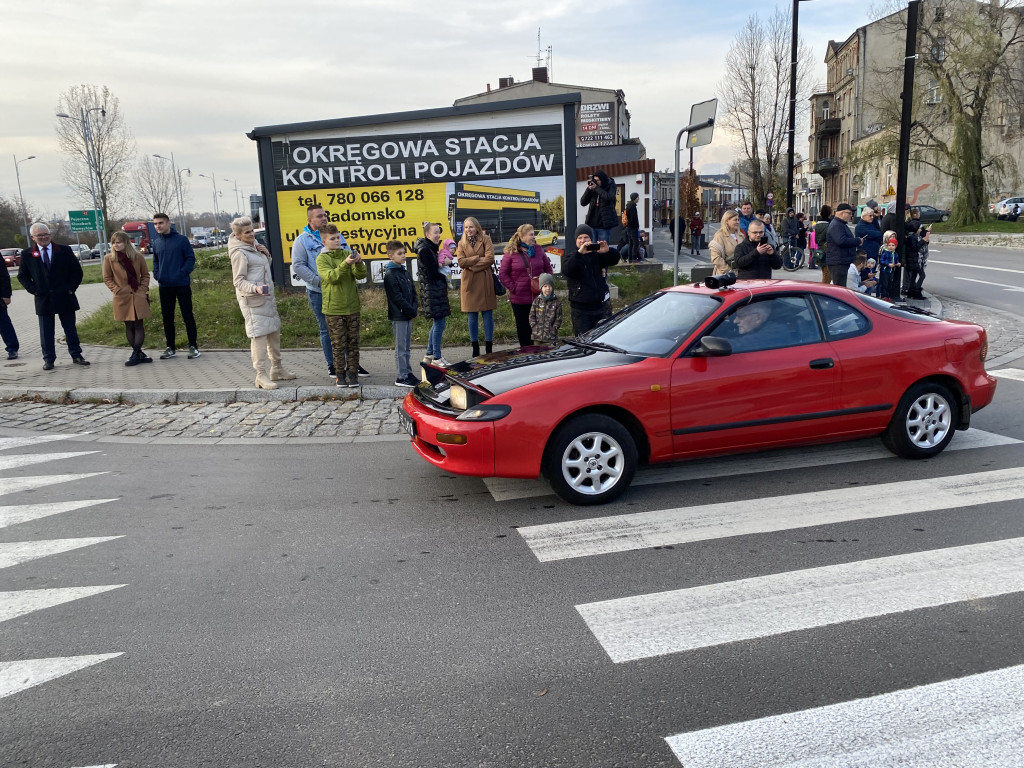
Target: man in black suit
[[51, 273]]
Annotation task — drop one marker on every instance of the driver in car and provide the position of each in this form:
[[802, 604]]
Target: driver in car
[[754, 328]]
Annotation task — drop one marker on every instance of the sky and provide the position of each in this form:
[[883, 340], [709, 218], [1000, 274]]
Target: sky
[[193, 77]]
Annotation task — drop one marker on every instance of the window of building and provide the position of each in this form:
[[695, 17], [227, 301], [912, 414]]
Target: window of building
[[939, 49], [933, 96], [940, 13], [888, 175]]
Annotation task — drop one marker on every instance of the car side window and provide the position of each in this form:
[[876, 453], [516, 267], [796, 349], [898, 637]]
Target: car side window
[[774, 323], [841, 320]]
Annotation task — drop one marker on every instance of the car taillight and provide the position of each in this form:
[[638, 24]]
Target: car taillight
[[984, 350]]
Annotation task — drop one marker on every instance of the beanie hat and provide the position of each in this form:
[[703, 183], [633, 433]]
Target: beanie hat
[[635, 196], [583, 229], [546, 279]]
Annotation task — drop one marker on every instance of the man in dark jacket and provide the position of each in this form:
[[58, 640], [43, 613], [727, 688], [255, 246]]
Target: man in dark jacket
[[842, 244], [588, 289], [7, 332], [754, 258], [52, 274], [789, 228], [600, 196], [868, 230], [633, 227], [173, 262]]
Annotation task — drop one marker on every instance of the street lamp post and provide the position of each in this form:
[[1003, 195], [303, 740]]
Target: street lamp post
[[238, 206], [794, 50], [92, 161], [216, 210], [24, 213], [177, 189]]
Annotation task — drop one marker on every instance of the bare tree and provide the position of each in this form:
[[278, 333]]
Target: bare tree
[[153, 184], [111, 150], [967, 96], [754, 96]]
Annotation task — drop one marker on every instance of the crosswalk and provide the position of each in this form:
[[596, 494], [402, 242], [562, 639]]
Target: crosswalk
[[18, 675], [968, 721]]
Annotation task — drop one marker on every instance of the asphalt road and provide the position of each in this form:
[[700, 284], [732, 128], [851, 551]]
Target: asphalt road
[[992, 277], [348, 605]]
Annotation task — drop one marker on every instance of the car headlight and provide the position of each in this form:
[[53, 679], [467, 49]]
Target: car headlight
[[458, 397], [484, 413]]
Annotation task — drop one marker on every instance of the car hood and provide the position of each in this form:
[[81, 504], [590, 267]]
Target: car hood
[[500, 372]]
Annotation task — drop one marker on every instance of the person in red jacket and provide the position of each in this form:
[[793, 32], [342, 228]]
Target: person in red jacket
[[696, 228]]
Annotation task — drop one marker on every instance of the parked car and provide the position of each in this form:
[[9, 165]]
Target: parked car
[[81, 251], [12, 256], [99, 250], [546, 237], [930, 214], [694, 371]]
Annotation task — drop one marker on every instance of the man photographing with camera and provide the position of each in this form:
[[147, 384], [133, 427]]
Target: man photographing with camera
[[585, 272], [600, 197]]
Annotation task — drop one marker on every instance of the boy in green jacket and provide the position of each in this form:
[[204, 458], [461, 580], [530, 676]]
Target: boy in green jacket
[[339, 269]]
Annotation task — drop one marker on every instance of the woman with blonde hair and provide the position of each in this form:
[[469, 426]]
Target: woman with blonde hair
[[521, 267], [254, 290], [724, 243], [475, 255], [126, 275]]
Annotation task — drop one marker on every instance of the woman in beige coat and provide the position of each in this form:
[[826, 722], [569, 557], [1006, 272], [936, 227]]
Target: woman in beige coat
[[254, 289], [126, 275], [724, 242], [475, 254]]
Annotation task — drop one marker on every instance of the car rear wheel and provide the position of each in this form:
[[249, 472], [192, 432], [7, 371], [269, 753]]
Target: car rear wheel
[[924, 422], [590, 459]]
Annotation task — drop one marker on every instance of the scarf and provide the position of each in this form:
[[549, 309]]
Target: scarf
[[129, 268], [471, 239]]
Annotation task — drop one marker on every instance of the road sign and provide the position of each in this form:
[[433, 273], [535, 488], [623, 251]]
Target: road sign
[[86, 221], [771, 195], [701, 114], [890, 191]]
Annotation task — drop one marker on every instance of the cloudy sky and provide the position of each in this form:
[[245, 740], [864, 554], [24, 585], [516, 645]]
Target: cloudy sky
[[194, 77]]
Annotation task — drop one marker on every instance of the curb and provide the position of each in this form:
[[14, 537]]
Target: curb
[[221, 396]]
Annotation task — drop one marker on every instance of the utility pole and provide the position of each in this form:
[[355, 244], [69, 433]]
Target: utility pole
[[794, 50], [906, 121]]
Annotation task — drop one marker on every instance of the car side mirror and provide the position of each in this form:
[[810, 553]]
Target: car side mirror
[[712, 346]]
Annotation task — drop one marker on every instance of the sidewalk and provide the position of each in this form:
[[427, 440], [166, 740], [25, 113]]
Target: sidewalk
[[217, 376]]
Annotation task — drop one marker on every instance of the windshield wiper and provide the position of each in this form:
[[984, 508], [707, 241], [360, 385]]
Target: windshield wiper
[[597, 345]]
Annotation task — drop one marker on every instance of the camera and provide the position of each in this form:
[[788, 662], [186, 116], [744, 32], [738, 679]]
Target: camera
[[718, 282]]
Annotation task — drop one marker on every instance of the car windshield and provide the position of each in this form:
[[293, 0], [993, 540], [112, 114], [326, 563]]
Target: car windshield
[[655, 325]]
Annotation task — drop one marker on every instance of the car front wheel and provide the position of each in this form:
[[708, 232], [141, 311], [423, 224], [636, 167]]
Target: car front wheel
[[924, 422], [590, 459], [945, 217]]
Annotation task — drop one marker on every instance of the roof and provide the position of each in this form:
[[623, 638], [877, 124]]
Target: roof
[[564, 86], [616, 170], [419, 114]]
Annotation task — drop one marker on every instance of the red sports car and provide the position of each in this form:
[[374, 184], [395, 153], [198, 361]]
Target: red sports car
[[693, 371]]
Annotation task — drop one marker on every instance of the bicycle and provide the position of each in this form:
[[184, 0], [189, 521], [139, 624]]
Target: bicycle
[[792, 257]]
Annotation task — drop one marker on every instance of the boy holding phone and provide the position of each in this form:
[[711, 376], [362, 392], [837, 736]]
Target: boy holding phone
[[339, 268]]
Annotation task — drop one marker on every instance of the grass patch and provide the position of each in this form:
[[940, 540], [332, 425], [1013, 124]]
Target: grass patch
[[992, 225], [220, 325]]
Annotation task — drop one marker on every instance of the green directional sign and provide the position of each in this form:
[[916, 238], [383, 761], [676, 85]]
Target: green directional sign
[[86, 221]]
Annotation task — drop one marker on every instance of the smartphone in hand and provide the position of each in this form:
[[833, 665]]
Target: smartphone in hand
[[265, 290]]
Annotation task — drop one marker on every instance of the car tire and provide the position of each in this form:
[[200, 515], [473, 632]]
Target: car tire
[[924, 422], [590, 459], [945, 218]]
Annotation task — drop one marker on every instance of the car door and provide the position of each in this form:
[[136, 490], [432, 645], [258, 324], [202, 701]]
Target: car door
[[865, 391], [769, 390]]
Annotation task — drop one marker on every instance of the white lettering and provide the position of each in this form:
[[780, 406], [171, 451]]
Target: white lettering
[[452, 146], [300, 155], [389, 149]]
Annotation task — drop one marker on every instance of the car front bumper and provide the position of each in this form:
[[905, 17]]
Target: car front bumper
[[433, 436]]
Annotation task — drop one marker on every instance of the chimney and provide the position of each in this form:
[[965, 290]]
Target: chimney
[[540, 74], [488, 87], [505, 82]]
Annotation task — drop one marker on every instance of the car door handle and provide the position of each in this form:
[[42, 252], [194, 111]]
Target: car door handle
[[823, 362]]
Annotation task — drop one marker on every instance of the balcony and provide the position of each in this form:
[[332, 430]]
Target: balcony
[[828, 127], [826, 166]]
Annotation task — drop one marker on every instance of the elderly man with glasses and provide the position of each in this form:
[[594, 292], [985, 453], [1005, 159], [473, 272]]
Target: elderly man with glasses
[[51, 273], [842, 244]]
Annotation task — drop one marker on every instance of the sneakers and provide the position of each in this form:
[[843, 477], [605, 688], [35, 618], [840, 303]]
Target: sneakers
[[441, 362], [408, 381], [339, 381], [363, 371], [428, 359], [332, 373], [352, 379], [193, 353], [168, 354]]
